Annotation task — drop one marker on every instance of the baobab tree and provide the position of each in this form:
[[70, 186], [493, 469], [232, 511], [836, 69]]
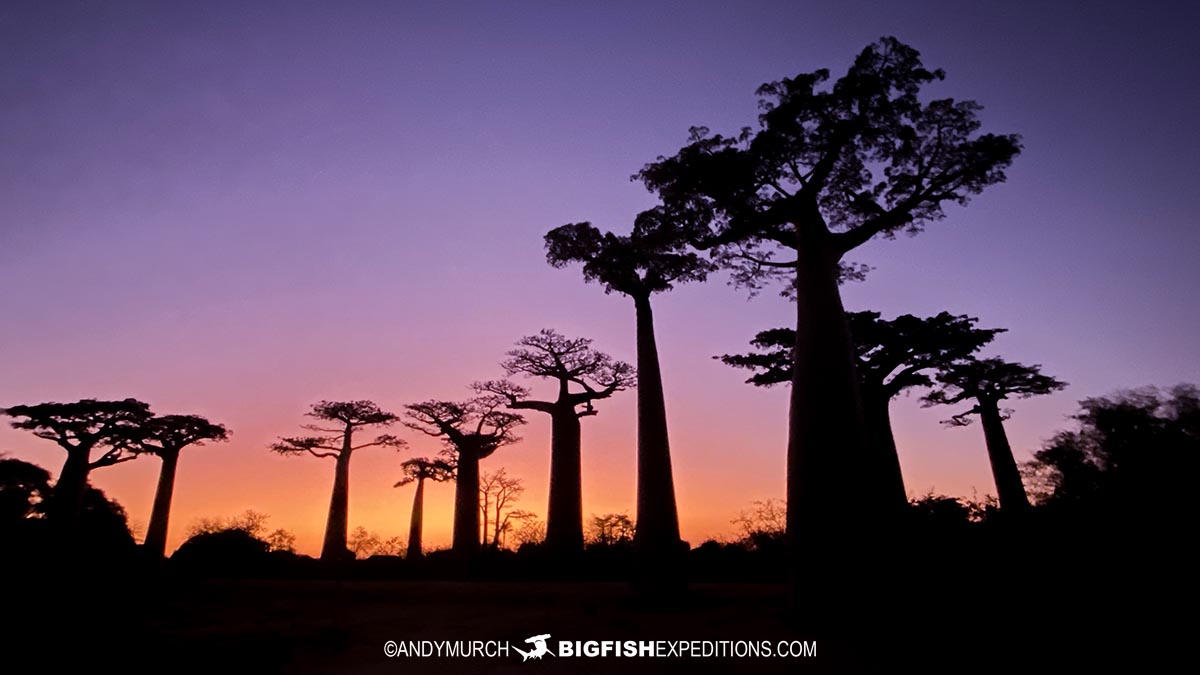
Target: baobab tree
[[583, 375], [418, 470], [80, 428], [987, 382], [650, 260], [828, 169], [337, 443], [472, 430], [892, 357], [165, 437]]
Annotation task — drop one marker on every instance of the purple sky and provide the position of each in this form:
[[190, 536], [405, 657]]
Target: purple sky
[[238, 208]]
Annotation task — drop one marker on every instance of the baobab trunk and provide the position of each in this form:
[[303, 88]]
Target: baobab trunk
[[828, 464], [414, 527], [657, 531], [466, 504], [878, 414], [69, 490], [564, 519], [1009, 487], [334, 547], [156, 532]]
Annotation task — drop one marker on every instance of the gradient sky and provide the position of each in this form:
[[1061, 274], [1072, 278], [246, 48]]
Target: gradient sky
[[238, 208]]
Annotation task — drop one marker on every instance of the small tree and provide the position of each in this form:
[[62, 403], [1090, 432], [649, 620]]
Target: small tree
[[648, 261], [419, 470], [986, 383], [583, 375], [79, 428], [497, 493], [363, 544], [530, 530], [765, 522], [472, 431], [337, 443], [611, 529], [281, 540], [165, 437]]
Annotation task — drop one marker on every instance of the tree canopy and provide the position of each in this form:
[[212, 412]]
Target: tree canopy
[[843, 162], [569, 361], [892, 355], [480, 424], [988, 381], [330, 442], [650, 260]]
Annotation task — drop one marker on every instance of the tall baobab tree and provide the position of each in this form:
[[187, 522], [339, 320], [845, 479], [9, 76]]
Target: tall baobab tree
[[418, 470], [339, 421], [892, 357], [650, 260], [472, 430], [987, 382], [165, 437], [79, 428], [583, 375], [828, 169]]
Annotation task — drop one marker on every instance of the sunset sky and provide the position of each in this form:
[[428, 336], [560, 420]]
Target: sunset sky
[[236, 209]]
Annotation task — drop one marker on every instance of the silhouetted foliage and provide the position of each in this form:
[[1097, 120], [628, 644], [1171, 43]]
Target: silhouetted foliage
[[24, 491], [418, 470], [79, 428], [472, 430], [26, 507], [572, 364], [829, 168], [611, 529], [892, 356], [338, 443], [1133, 457], [165, 436], [652, 259], [987, 382], [764, 525]]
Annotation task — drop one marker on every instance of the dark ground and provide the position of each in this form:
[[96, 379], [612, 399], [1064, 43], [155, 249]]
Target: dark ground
[[263, 626]]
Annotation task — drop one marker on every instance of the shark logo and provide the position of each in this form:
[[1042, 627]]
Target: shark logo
[[539, 648]]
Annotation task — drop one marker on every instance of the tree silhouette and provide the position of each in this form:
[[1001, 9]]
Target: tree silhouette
[[165, 437], [987, 382], [829, 168], [652, 259], [79, 428], [1132, 459], [419, 470], [891, 357], [497, 493], [612, 529], [472, 430], [338, 443], [570, 363]]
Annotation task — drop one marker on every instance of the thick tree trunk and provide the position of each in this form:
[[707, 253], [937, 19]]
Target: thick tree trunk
[[878, 415], [657, 535], [418, 515], [829, 474], [69, 490], [156, 532], [466, 504], [1009, 487], [334, 547], [564, 519]]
